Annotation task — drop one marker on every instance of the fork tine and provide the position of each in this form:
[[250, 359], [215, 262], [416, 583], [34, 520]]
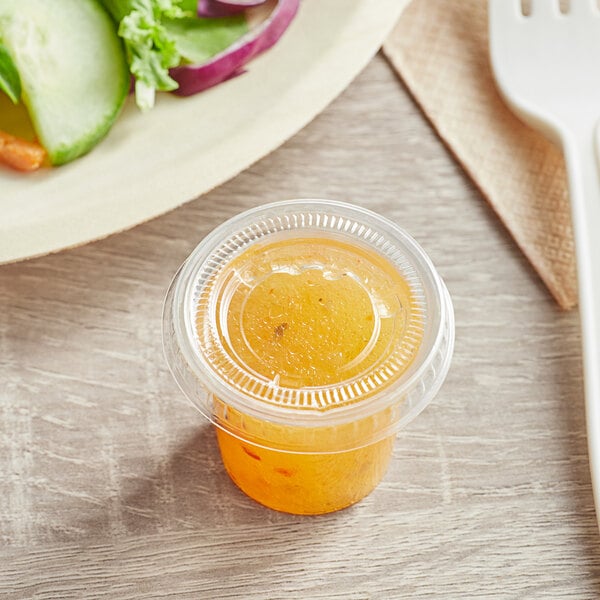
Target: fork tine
[[547, 8], [504, 11]]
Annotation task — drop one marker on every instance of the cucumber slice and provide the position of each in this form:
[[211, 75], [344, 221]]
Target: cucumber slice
[[73, 71], [10, 83]]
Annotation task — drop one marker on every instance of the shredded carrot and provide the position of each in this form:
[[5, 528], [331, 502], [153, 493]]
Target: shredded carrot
[[20, 154]]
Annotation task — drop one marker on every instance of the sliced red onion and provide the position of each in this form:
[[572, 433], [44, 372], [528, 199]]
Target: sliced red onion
[[196, 78], [224, 8]]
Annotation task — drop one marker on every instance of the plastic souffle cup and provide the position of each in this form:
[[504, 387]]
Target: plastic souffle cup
[[308, 332]]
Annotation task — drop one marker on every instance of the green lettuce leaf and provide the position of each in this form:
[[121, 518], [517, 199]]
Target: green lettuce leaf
[[197, 39], [151, 50], [161, 34]]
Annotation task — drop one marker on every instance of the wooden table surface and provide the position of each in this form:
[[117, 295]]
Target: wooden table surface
[[111, 482]]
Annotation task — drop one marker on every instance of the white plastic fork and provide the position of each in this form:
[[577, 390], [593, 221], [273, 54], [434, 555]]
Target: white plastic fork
[[547, 67]]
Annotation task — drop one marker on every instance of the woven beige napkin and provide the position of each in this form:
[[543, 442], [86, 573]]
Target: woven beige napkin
[[440, 50]]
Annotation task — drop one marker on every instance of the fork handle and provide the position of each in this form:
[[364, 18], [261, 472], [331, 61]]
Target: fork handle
[[582, 157]]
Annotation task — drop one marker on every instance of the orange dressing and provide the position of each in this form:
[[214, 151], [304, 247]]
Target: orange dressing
[[309, 314]]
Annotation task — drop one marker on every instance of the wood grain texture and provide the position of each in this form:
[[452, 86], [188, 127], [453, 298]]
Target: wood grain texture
[[111, 482]]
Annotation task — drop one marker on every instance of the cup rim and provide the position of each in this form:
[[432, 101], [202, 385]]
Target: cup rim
[[182, 292]]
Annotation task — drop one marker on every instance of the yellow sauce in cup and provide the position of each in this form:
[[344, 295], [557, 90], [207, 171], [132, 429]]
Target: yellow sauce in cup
[[304, 314], [308, 332]]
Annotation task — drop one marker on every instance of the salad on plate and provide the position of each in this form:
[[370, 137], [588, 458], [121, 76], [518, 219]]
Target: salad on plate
[[67, 66]]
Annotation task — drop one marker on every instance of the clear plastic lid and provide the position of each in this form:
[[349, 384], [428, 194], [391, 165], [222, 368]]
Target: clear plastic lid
[[309, 316]]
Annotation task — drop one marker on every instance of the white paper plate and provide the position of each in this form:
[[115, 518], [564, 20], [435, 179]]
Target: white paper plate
[[152, 163]]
